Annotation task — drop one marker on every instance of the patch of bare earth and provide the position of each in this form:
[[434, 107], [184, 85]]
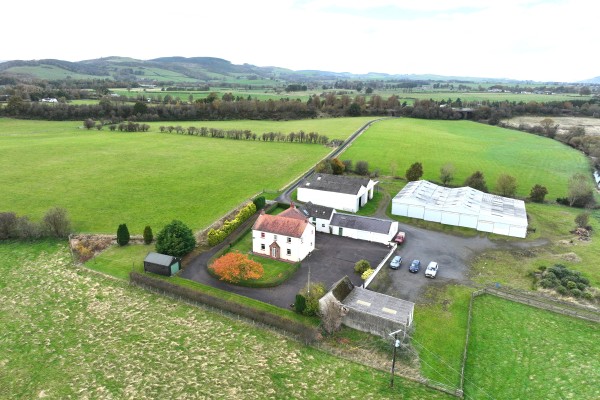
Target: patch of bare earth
[[591, 125]]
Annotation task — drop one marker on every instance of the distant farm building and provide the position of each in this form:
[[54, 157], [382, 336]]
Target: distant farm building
[[463, 206], [336, 191], [161, 264], [49, 100]]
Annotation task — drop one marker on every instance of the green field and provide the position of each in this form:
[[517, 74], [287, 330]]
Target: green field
[[68, 333], [184, 95], [480, 96], [469, 146], [516, 352], [107, 178]]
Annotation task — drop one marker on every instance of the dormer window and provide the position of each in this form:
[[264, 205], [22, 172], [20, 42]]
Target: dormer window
[[262, 235]]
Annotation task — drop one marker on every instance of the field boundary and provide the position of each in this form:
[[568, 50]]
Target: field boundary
[[531, 299], [544, 302], [302, 331]]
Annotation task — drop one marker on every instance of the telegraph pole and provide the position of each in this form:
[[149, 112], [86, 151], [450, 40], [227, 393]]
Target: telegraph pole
[[396, 345]]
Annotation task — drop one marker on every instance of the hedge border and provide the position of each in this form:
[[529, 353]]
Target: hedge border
[[304, 331]]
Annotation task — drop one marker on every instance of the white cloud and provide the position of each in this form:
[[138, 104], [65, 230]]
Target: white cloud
[[522, 39]]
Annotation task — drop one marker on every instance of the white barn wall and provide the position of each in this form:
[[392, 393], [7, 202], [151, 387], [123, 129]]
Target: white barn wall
[[339, 201]]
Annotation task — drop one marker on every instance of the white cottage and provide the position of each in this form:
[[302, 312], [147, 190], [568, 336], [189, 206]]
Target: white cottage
[[336, 191], [288, 236], [319, 216]]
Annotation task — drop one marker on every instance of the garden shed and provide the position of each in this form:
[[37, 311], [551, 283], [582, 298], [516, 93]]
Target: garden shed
[[462, 206], [161, 264], [363, 228]]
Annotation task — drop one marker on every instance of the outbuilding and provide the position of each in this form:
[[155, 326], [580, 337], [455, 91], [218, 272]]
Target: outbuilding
[[161, 264], [319, 216], [462, 206], [364, 228], [336, 191]]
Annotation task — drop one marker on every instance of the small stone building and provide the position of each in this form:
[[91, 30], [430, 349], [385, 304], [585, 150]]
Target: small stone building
[[369, 311]]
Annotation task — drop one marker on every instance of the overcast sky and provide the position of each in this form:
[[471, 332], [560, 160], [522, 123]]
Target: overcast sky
[[540, 40]]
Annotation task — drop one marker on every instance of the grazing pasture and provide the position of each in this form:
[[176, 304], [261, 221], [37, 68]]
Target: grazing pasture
[[107, 178], [69, 333], [518, 352], [470, 147]]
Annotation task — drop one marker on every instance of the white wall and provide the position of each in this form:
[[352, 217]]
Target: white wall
[[300, 247], [339, 201], [321, 224], [384, 238]]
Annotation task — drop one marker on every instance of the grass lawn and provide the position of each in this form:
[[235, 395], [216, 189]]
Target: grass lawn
[[371, 207], [104, 179], [85, 336], [518, 352], [470, 147], [118, 261]]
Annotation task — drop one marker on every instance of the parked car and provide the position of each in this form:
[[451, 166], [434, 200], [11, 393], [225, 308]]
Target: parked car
[[396, 261], [415, 265], [432, 269], [400, 236]]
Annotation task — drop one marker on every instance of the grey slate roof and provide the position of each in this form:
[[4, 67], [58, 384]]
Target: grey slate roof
[[379, 304], [159, 259], [317, 211], [335, 183], [361, 223]]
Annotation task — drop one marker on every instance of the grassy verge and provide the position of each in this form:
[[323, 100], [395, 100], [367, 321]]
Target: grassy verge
[[371, 207], [552, 224], [440, 331], [518, 352]]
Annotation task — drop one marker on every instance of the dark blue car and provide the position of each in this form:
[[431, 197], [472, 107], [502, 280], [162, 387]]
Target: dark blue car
[[414, 266]]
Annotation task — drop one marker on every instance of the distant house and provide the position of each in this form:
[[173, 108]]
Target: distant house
[[319, 216], [363, 228], [288, 236], [49, 100], [161, 264], [336, 191]]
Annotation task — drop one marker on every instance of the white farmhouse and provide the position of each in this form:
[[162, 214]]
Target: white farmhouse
[[288, 236], [336, 191], [319, 216]]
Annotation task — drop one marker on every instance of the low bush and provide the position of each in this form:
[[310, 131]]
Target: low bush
[[564, 281], [361, 266], [365, 275], [55, 223], [300, 304], [312, 296]]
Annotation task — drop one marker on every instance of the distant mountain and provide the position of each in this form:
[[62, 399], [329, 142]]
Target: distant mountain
[[207, 70], [595, 80]]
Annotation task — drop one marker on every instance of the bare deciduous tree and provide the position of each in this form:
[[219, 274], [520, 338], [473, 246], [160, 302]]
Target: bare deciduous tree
[[332, 312]]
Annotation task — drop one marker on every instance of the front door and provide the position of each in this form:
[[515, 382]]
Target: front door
[[340, 231], [274, 252]]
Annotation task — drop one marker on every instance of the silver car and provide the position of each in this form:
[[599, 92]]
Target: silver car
[[396, 261]]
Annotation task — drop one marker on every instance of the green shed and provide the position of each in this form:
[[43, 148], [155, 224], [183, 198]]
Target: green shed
[[162, 264]]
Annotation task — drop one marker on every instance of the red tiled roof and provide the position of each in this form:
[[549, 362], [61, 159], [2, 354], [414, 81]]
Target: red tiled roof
[[279, 225], [293, 212]]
